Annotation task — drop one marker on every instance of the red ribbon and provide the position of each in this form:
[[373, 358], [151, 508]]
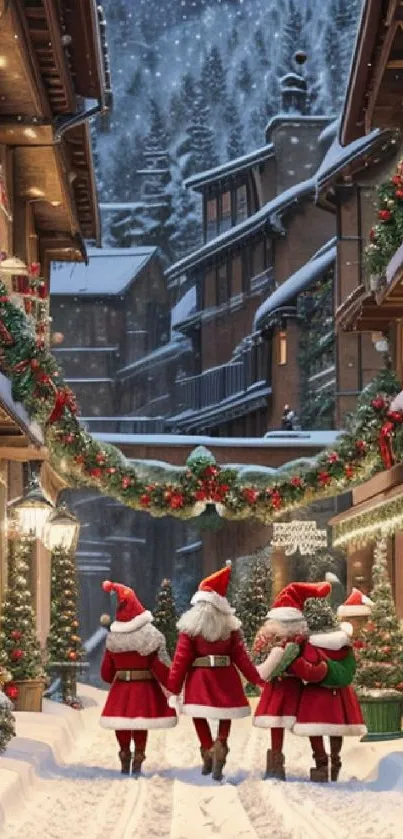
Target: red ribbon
[[64, 399], [385, 444]]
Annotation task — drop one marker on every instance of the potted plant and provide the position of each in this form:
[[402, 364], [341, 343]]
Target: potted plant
[[379, 674], [18, 640]]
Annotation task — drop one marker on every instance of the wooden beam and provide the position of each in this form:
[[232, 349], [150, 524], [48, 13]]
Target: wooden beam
[[22, 454], [31, 66]]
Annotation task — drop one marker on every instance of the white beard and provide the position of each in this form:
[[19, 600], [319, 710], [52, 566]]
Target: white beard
[[206, 620], [145, 640]]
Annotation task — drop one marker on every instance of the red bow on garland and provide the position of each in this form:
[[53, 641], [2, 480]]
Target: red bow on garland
[[65, 398], [385, 437]]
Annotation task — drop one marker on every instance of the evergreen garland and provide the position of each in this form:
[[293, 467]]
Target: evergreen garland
[[319, 614], [19, 646], [165, 615], [7, 721], [380, 649], [386, 235]]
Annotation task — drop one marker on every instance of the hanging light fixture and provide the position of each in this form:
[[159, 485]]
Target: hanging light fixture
[[61, 529], [31, 511]]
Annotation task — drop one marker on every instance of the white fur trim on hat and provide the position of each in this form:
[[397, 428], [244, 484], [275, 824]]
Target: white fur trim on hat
[[330, 640], [211, 713], [270, 663], [135, 623], [331, 578], [353, 611], [284, 613], [221, 603]]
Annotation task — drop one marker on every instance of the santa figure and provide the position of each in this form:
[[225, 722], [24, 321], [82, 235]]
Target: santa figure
[[330, 708], [208, 655], [357, 608], [290, 662], [135, 663]]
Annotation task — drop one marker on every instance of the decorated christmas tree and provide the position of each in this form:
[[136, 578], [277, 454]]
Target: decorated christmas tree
[[165, 615], [64, 646], [319, 614], [380, 659], [7, 721], [21, 653], [253, 599]]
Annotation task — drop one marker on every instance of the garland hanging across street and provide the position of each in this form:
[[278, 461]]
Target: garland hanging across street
[[373, 442]]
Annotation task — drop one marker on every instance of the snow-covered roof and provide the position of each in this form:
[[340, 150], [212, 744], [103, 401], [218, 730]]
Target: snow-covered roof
[[18, 413], [338, 156], [268, 215], [109, 272], [232, 167], [295, 284], [178, 344], [122, 205], [274, 439], [184, 308]]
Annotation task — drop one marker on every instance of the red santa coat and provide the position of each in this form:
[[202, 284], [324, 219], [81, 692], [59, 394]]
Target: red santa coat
[[329, 711], [212, 692], [279, 702], [136, 704]]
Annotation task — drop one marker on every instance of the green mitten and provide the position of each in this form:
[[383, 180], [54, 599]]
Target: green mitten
[[340, 674], [291, 652]]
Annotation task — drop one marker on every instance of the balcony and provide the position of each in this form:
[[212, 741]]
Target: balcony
[[221, 388], [124, 425]]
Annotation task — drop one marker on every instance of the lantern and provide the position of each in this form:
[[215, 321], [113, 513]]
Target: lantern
[[31, 511], [61, 529]]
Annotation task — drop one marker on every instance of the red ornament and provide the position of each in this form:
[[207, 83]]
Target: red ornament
[[72, 655], [399, 193], [17, 654], [16, 635], [35, 269], [396, 417], [276, 499], [324, 479], [378, 404], [349, 471], [296, 482], [69, 438], [111, 470], [96, 472], [201, 495], [79, 459], [384, 215], [396, 180], [372, 234], [100, 457], [210, 471], [35, 364], [11, 691], [250, 495], [125, 482], [145, 500], [177, 501], [361, 446]]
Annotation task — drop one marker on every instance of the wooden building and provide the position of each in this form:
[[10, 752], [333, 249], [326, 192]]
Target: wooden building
[[366, 312], [53, 59], [261, 225]]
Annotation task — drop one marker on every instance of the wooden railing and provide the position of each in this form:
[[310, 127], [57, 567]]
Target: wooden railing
[[219, 384]]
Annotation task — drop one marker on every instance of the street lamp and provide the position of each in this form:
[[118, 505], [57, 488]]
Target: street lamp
[[31, 511], [61, 529]]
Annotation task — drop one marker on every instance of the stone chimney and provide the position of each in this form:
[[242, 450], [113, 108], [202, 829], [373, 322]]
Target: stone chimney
[[294, 89]]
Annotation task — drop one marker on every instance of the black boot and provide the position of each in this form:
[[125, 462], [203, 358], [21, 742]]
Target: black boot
[[335, 759], [125, 758], [207, 759], [320, 772]]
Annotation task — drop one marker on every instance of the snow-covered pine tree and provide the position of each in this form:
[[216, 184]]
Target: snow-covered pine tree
[[186, 216], [261, 49], [165, 615], [252, 599], [154, 219], [136, 83], [292, 35], [202, 147], [235, 145], [244, 77], [380, 661], [213, 77]]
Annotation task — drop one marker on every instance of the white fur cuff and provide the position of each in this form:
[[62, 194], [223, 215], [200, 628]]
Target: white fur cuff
[[331, 640], [270, 663]]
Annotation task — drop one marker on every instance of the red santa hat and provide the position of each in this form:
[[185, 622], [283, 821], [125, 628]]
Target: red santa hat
[[356, 605], [213, 589], [289, 604], [130, 613]]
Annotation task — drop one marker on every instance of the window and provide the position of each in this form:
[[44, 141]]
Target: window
[[241, 203], [282, 348], [225, 221], [222, 284], [211, 229]]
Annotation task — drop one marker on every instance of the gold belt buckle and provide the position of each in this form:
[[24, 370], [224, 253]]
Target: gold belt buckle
[[212, 660], [127, 677]]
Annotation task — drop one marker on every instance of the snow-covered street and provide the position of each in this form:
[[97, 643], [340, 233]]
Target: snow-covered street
[[86, 795]]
